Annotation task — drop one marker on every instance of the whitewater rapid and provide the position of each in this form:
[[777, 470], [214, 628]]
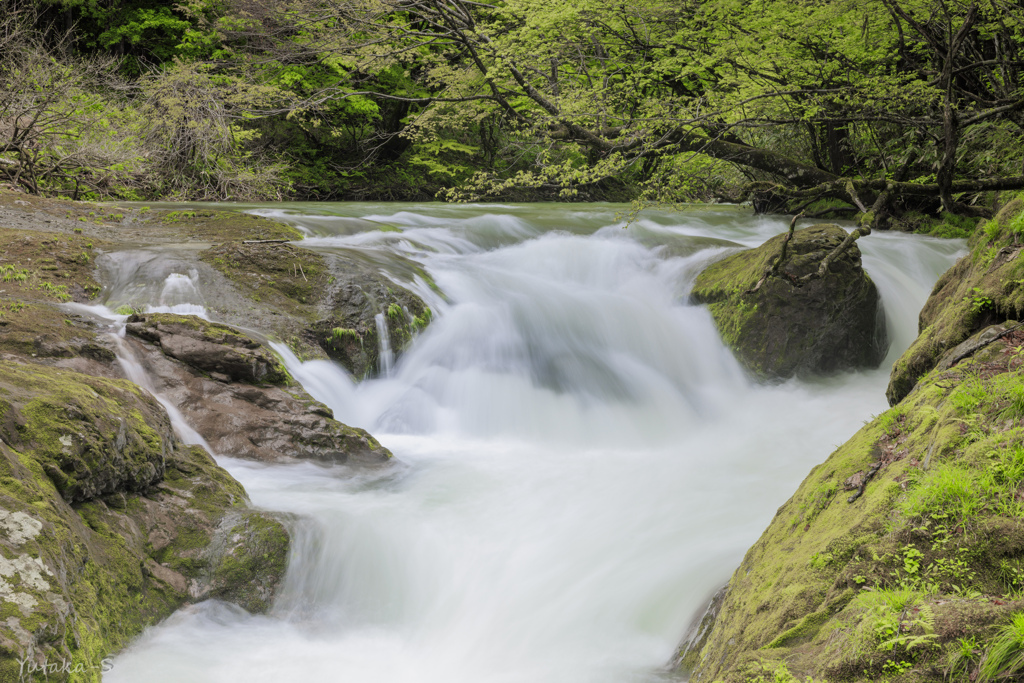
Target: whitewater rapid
[[581, 463]]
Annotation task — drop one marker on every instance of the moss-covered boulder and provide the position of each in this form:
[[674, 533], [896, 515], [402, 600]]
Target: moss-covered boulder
[[789, 326], [905, 544], [213, 388], [107, 534], [983, 288], [351, 333], [91, 436]]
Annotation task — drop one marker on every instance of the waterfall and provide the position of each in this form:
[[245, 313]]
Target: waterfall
[[385, 355], [582, 462]]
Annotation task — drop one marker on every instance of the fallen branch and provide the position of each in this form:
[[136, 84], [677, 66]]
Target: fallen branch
[[773, 269], [836, 253], [264, 241]]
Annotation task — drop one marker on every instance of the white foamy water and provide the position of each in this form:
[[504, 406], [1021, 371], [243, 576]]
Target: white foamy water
[[582, 463]]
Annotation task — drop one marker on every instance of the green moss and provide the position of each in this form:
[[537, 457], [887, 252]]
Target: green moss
[[104, 582], [807, 628], [255, 559]]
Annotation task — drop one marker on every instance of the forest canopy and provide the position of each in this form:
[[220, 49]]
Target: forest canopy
[[875, 108]]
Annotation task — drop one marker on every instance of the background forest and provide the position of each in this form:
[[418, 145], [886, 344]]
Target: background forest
[[876, 109]]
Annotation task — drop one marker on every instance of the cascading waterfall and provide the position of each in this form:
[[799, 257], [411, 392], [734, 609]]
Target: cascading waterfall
[[153, 280], [582, 463]]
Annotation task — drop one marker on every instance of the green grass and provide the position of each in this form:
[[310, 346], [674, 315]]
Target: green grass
[[1005, 656]]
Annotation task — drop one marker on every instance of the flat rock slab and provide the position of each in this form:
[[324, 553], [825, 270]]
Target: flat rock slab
[[207, 371]]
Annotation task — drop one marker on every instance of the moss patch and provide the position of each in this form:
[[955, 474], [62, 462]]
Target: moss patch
[[83, 578], [47, 267], [280, 277]]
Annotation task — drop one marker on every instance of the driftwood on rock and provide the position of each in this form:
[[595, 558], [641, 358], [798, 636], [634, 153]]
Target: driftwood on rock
[[826, 261]]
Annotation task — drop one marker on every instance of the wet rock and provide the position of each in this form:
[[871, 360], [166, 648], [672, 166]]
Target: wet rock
[[688, 653], [209, 347], [91, 436], [351, 334], [322, 303], [813, 596], [267, 423], [137, 526], [788, 327]]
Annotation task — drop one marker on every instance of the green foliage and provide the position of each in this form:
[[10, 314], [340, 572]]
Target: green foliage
[[656, 100], [891, 421], [343, 333], [11, 273], [1005, 655], [896, 619], [979, 301], [773, 673], [963, 659], [59, 292]]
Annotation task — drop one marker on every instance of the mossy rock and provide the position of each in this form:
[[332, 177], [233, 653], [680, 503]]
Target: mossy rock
[[350, 334], [209, 347], [81, 576], [788, 327], [91, 436], [983, 288], [909, 537]]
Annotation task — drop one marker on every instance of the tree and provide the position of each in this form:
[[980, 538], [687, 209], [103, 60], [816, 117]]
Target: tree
[[886, 106]]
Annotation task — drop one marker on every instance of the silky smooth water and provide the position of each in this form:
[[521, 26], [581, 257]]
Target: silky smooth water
[[581, 463]]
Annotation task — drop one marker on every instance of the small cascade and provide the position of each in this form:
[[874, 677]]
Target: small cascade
[[153, 280], [385, 355], [179, 294], [135, 372]]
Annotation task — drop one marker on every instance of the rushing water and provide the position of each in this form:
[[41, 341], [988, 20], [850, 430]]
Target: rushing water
[[582, 463]]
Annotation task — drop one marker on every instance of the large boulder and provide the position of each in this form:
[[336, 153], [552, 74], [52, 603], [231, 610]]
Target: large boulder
[[789, 326], [108, 523], [208, 371]]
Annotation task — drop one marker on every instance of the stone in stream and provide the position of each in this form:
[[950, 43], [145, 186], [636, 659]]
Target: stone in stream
[[238, 396], [790, 327]]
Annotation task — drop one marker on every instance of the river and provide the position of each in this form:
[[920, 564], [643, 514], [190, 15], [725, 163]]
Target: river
[[581, 461]]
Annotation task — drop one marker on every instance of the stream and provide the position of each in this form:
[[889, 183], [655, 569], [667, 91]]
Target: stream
[[581, 462]]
